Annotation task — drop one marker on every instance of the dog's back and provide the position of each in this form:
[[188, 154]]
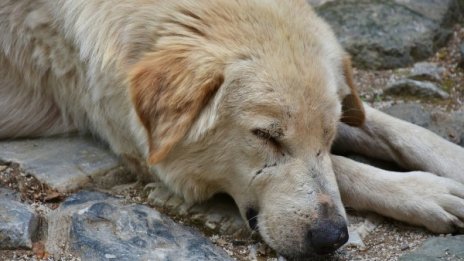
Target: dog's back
[[33, 59]]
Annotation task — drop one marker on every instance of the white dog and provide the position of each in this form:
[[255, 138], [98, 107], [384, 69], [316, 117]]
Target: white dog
[[243, 97]]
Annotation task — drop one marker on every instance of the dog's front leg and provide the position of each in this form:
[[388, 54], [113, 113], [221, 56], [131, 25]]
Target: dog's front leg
[[417, 197], [412, 147]]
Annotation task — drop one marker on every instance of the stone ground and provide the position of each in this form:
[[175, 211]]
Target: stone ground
[[43, 218]]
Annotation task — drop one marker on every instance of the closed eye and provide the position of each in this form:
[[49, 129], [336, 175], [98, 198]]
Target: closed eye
[[266, 135]]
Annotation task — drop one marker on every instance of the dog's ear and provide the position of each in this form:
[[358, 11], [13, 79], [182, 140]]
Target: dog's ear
[[169, 89], [352, 107]]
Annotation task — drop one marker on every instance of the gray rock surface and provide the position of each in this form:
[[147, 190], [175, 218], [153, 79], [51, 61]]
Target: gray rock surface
[[316, 3], [18, 222], [62, 163], [96, 226], [461, 50], [388, 34], [438, 248], [6, 193], [427, 72], [416, 88], [448, 125]]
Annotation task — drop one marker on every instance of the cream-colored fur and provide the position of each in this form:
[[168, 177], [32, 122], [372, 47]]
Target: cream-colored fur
[[242, 97]]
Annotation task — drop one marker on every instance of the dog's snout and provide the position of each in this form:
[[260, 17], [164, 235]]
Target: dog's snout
[[327, 236]]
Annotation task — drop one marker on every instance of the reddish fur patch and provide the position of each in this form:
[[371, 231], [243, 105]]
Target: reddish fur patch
[[352, 107], [169, 90]]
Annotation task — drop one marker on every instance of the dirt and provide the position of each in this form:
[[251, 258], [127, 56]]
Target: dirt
[[388, 241]]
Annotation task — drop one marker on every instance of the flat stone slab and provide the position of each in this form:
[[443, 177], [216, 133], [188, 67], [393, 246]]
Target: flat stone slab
[[96, 226], [438, 249], [63, 163], [18, 222]]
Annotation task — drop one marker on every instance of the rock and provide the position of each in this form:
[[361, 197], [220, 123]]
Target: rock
[[96, 226], [18, 224], [6, 193], [444, 11], [389, 34], [448, 125], [427, 72], [416, 88], [438, 248], [219, 214], [316, 3], [62, 163], [404, 247], [359, 231], [461, 50]]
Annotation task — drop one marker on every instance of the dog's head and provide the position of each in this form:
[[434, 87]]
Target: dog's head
[[244, 98]]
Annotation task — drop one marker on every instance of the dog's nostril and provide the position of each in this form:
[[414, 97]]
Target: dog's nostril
[[327, 236], [252, 217]]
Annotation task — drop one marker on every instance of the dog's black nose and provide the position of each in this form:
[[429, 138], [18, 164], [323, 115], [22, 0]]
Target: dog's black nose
[[327, 236]]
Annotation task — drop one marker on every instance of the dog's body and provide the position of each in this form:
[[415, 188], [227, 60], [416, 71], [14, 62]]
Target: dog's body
[[242, 97]]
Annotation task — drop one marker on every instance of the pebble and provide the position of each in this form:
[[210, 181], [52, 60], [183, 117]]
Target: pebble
[[404, 247], [461, 50]]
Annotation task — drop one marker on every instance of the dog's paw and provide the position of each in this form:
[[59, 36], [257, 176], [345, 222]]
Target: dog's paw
[[428, 200]]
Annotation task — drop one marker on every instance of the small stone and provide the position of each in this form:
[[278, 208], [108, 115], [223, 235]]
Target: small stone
[[404, 247], [38, 248], [461, 50], [261, 249], [427, 72], [18, 225], [252, 253], [221, 242], [210, 225], [316, 3], [416, 88], [355, 240]]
